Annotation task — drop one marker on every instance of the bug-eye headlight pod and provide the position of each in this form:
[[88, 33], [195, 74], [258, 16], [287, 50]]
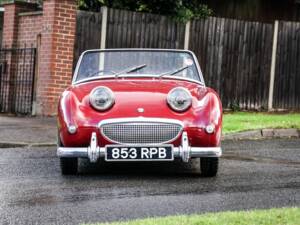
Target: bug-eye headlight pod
[[102, 98], [179, 99]]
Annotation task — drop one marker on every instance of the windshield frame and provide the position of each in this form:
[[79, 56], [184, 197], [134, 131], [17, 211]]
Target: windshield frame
[[200, 81]]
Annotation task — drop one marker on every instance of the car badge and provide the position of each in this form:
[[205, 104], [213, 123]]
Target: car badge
[[140, 110]]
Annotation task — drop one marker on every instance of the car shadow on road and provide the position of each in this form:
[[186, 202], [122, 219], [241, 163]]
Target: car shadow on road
[[147, 169]]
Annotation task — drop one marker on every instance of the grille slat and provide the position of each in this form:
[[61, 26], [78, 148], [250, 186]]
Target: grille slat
[[141, 132]]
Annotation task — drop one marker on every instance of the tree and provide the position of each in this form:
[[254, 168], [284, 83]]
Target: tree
[[181, 10]]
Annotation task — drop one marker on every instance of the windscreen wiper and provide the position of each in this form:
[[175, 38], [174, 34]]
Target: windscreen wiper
[[131, 69], [170, 73], [100, 71]]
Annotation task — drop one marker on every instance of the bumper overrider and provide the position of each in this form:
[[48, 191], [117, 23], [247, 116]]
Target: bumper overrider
[[94, 151]]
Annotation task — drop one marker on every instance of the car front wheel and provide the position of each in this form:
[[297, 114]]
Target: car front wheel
[[68, 166], [209, 166]]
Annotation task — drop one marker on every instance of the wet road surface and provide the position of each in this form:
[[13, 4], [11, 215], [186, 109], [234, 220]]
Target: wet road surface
[[253, 174]]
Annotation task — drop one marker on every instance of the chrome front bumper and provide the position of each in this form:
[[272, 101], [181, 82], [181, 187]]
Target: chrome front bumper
[[94, 152]]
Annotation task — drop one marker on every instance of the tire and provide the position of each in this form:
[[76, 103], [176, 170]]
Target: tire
[[59, 143], [68, 166], [209, 166]]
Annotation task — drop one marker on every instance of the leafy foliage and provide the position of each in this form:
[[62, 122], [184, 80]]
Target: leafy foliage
[[235, 107], [181, 10]]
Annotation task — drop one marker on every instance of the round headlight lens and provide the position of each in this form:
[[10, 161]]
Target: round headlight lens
[[179, 99], [102, 98]]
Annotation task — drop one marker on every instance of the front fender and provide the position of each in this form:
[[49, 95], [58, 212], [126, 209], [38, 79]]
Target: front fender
[[216, 118], [207, 112], [67, 108]]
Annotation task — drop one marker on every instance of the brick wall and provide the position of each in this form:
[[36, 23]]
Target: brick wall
[[11, 20], [55, 26], [29, 26], [9, 25], [56, 55]]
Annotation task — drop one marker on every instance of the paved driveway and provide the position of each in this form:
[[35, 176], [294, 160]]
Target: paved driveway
[[254, 174]]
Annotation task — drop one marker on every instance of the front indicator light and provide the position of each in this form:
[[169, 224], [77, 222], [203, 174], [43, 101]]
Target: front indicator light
[[210, 129], [72, 129]]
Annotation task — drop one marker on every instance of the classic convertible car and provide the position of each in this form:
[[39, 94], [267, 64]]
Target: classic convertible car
[[139, 105]]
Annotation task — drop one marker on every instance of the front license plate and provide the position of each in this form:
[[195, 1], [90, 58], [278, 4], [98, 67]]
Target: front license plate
[[139, 153]]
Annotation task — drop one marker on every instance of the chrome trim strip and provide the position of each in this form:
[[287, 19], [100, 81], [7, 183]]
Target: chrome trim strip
[[185, 148], [206, 152], [77, 68], [195, 152], [93, 150], [202, 82], [140, 120], [137, 76], [72, 152]]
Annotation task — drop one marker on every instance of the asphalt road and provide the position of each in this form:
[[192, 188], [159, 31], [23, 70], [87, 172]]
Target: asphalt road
[[253, 174]]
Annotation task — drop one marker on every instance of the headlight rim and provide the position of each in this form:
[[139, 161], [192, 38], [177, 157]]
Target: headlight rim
[[169, 102], [112, 96]]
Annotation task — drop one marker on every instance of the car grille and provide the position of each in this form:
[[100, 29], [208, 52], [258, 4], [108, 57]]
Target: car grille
[[141, 132]]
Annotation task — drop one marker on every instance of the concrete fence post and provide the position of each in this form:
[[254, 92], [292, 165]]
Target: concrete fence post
[[103, 27], [187, 35], [273, 67], [103, 36]]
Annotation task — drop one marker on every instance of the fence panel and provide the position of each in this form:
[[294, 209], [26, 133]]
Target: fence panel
[[88, 32], [17, 69], [126, 29], [287, 77], [235, 58]]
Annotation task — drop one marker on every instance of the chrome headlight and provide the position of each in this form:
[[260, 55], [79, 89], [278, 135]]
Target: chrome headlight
[[179, 99], [102, 98]]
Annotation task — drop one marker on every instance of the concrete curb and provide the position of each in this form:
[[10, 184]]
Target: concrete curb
[[23, 144], [263, 134], [50, 144], [246, 135], [13, 145]]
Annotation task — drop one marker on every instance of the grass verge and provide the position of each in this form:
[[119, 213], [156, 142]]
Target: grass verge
[[282, 216], [243, 121]]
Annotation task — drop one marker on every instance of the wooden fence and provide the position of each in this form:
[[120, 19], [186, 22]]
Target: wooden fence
[[235, 55], [88, 32], [142, 30], [287, 78]]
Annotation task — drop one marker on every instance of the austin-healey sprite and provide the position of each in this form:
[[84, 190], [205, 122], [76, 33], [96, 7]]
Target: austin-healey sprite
[[139, 105]]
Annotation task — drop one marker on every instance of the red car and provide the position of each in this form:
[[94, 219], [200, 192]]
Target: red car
[[139, 105]]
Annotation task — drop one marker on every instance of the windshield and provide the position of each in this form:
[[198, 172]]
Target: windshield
[[137, 63]]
